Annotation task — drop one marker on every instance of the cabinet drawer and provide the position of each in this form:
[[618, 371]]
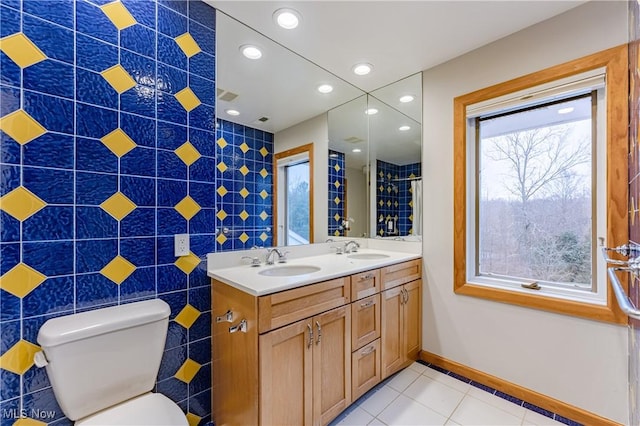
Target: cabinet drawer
[[365, 321], [365, 369], [365, 284], [285, 307], [395, 275]]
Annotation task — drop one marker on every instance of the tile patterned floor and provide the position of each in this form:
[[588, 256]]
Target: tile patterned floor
[[421, 395]]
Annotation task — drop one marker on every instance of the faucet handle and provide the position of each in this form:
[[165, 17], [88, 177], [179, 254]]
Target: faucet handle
[[339, 249], [255, 261], [282, 256]]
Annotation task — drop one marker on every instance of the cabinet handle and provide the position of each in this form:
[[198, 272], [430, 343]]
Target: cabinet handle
[[241, 326], [319, 332], [227, 317], [310, 336], [366, 304], [367, 277], [368, 350], [406, 295]]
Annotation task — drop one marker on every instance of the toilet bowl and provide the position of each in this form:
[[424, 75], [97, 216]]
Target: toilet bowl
[[103, 364]]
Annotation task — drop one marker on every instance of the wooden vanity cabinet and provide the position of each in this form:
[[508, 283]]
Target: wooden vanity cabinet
[[401, 326]]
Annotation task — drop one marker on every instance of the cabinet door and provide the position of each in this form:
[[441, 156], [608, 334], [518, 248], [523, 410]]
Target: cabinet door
[[365, 321], [366, 373], [286, 375], [412, 319], [393, 353], [331, 364]]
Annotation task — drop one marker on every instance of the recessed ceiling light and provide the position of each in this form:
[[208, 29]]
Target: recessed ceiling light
[[250, 51], [404, 128], [371, 111], [406, 98], [232, 112], [287, 18], [356, 150], [362, 69], [566, 110], [325, 88]]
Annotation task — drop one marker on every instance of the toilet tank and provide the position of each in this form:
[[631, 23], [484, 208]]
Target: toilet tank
[[99, 358]]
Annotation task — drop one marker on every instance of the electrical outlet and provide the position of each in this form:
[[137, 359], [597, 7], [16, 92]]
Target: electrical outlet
[[181, 245]]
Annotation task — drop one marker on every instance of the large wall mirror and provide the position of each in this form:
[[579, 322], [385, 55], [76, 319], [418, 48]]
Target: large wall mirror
[[271, 106]]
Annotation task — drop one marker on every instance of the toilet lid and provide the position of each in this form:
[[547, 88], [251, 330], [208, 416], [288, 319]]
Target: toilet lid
[[149, 409]]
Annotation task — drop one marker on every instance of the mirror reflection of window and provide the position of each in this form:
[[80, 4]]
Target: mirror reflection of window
[[297, 204]]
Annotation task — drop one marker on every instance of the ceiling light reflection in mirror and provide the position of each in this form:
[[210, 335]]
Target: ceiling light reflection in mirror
[[281, 86]]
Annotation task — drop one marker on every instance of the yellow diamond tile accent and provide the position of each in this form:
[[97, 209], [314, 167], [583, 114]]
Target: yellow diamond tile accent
[[21, 50], [21, 280], [187, 316], [410, 190], [118, 205], [193, 419], [336, 200], [380, 218], [21, 127], [411, 217], [188, 45], [243, 237], [381, 174], [381, 203], [388, 203], [188, 99], [336, 184], [187, 207], [336, 217], [118, 14], [221, 239], [187, 263], [337, 167], [264, 151], [264, 173], [29, 422], [187, 153], [395, 204], [19, 358], [244, 192], [336, 233], [118, 78], [243, 215], [412, 176], [264, 237], [222, 143], [264, 194], [118, 142], [187, 372], [381, 188], [411, 203], [389, 176], [222, 167], [389, 189], [221, 215], [264, 215], [21, 203], [244, 147], [118, 269], [244, 170], [222, 191]]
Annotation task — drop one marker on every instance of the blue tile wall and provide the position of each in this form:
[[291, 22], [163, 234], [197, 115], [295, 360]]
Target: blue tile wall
[[93, 170], [336, 191], [393, 197]]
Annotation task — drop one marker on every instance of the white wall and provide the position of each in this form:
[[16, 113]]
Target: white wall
[[314, 130], [357, 201], [581, 362]]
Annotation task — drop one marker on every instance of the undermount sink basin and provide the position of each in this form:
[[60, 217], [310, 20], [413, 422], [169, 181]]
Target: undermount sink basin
[[289, 270], [367, 256]]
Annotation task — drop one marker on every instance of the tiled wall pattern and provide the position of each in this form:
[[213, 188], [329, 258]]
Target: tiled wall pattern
[[634, 209], [394, 197], [108, 148], [336, 189]]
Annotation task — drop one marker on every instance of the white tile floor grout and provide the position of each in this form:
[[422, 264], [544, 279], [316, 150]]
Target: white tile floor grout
[[420, 395]]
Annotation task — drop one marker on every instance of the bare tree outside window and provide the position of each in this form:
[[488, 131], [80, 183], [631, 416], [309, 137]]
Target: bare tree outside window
[[535, 195]]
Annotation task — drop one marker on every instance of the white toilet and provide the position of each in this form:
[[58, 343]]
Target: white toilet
[[103, 364]]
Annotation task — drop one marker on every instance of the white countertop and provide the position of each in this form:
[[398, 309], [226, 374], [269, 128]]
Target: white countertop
[[249, 280]]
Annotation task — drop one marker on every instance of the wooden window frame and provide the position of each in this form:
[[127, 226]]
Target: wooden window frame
[[614, 60]]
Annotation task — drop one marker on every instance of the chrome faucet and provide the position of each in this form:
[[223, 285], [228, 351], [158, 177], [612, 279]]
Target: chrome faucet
[[282, 257], [348, 249]]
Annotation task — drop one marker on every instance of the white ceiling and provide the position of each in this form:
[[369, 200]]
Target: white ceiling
[[399, 38]]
